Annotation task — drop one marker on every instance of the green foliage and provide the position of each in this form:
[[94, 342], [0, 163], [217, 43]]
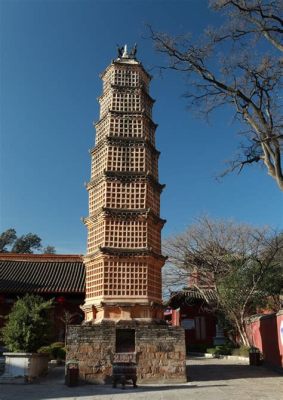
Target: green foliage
[[49, 250], [6, 239], [243, 264], [9, 242], [26, 243], [211, 350], [222, 350], [242, 351], [61, 353], [56, 351], [55, 345], [235, 287], [45, 350], [28, 324]]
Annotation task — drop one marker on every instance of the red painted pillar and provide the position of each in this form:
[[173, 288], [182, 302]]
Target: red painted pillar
[[176, 317]]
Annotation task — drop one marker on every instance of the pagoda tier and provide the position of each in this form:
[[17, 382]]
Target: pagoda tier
[[124, 260]]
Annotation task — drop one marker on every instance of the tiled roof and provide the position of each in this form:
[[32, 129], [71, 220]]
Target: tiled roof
[[41, 273], [188, 294]]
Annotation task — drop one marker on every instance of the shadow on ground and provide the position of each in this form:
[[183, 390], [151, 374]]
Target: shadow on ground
[[52, 387], [220, 372], [209, 375]]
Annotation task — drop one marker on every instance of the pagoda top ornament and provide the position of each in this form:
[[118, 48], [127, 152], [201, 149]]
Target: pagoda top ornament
[[123, 52]]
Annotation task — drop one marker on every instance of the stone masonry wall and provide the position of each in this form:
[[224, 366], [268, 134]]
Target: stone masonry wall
[[160, 351], [93, 347], [161, 354]]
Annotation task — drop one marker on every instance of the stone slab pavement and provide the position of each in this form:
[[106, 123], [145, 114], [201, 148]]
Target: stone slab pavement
[[209, 379]]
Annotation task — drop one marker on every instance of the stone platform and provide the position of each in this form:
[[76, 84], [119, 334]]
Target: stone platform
[[159, 351]]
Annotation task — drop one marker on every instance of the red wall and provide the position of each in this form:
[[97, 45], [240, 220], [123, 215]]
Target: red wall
[[280, 335], [193, 312], [264, 333]]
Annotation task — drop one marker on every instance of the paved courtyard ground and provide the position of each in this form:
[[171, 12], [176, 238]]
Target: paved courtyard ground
[[209, 379]]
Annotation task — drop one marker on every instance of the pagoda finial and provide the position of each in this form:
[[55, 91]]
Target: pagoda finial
[[133, 52], [123, 51]]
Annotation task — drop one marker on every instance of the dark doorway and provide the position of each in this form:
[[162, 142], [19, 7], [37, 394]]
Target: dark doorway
[[125, 340]]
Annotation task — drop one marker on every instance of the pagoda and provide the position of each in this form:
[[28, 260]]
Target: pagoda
[[124, 261], [123, 305]]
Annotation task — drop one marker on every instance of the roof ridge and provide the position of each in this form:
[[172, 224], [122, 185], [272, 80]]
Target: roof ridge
[[40, 257]]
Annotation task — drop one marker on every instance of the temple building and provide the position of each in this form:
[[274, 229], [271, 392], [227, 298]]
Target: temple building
[[123, 305], [56, 277]]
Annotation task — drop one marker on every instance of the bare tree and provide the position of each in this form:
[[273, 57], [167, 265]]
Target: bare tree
[[67, 319], [240, 262], [231, 66], [252, 17]]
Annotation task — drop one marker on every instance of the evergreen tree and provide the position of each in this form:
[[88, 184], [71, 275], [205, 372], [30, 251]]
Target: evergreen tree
[[10, 243], [28, 325]]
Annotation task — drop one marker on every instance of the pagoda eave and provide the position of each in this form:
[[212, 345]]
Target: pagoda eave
[[131, 113], [120, 62], [125, 177], [124, 141], [124, 214], [128, 88], [123, 252]]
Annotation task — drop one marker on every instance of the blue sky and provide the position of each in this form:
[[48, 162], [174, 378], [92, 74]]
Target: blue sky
[[51, 55]]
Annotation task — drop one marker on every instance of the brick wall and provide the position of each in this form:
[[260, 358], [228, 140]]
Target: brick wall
[[160, 351]]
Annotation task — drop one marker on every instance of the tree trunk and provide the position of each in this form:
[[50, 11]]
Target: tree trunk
[[240, 326], [244, 337]]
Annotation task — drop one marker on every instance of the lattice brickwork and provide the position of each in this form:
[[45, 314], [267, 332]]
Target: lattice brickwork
[[124, 242], [132, 278], [153, 199], [123, 159], [99, 162], [126, 195], [125, 76], [102, 129], [95, 280], [125, 126], [120, 195], [154, 282], [154, 239], [123, 233], [131, 159], [126, 234], [128, 101], [127, 279], [97, 197], [96, 235], [132, 128], [105, 104]]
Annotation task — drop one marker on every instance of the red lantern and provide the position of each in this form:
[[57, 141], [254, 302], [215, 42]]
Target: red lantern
[[60, 300]]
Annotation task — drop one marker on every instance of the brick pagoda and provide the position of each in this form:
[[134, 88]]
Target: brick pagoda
[[123, 305], [124, 261]]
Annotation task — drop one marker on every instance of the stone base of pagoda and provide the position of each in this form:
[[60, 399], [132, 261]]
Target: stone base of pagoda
[[122, 311], [158, 350]]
